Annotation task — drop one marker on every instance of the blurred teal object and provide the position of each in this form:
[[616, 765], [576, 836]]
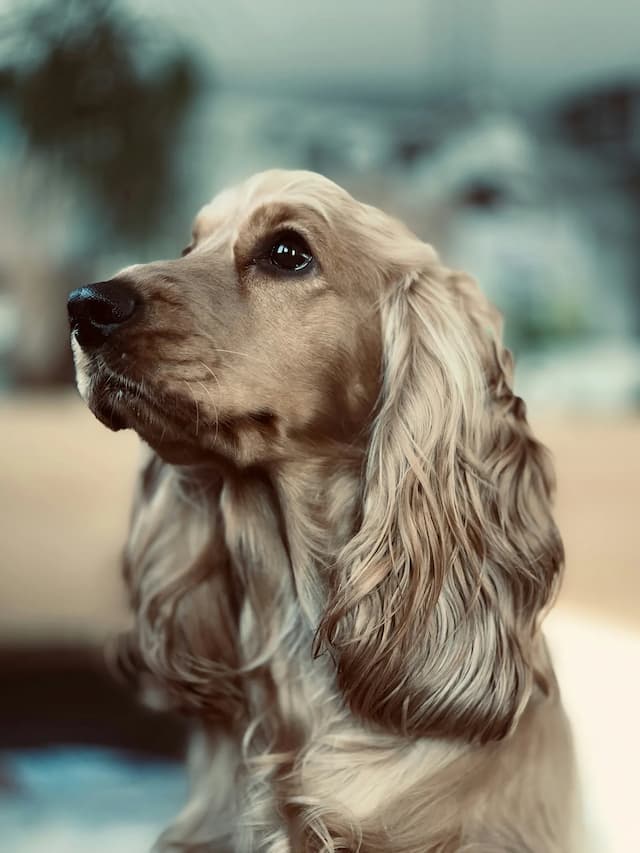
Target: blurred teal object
[[74, 800]]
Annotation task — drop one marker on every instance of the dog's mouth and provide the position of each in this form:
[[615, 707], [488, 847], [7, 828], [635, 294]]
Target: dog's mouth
[[117, 404], [123, 403], [179, 428]]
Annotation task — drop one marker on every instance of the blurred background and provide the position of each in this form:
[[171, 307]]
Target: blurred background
[[507, 134]]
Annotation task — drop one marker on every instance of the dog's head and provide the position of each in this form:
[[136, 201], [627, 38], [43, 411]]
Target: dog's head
[[300, 321], [264, 335]]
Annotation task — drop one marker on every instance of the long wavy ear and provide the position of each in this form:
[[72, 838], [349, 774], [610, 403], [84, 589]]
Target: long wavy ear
[[435, 602], [186, 607]]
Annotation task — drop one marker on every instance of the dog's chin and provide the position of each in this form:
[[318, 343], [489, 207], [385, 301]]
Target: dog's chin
[[109, 417], [116, 405]]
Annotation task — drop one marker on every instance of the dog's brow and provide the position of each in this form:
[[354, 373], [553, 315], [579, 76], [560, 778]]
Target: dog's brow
[[272, 215]]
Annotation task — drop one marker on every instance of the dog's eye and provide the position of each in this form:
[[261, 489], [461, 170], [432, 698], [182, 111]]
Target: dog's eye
[[290, 252]]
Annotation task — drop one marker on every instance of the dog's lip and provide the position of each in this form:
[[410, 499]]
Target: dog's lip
[[114, 398], [120, 402]]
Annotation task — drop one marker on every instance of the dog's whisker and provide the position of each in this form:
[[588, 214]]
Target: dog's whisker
[[215, 408], [195, 400], [244, 354]]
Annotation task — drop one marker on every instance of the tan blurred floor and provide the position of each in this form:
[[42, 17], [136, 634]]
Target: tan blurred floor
[[64, 500], [66, 482], [597, 463]]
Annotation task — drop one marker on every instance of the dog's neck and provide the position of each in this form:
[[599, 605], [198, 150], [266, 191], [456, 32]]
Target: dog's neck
[[282, 531], [289, 522]]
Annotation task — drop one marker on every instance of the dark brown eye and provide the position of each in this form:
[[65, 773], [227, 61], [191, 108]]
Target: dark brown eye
[[290, 252], [186, 251]]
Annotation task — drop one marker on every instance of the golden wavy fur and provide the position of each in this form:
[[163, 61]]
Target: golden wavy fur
[[342, 543]]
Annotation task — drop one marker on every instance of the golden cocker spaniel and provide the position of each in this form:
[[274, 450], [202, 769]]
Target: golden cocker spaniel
[[342, 544]]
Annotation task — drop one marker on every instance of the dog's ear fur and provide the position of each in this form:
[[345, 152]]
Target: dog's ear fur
[[177, 569], [436, 599]]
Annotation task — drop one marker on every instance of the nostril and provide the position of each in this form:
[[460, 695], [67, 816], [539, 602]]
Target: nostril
[[97, 310]]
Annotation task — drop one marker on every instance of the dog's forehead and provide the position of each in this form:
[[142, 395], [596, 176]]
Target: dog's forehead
[[233, 204]]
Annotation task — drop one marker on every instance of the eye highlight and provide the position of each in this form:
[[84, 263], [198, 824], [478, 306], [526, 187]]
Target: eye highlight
[[290, 252]]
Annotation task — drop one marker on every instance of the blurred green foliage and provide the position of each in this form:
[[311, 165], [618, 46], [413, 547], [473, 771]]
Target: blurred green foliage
[[87, 96]]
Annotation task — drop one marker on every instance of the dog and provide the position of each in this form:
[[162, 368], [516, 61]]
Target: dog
[[341, 546]]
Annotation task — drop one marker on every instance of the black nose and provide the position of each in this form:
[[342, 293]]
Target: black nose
[[98, 310]]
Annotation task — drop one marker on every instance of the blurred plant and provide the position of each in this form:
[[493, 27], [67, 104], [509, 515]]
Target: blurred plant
[[79, 83]]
